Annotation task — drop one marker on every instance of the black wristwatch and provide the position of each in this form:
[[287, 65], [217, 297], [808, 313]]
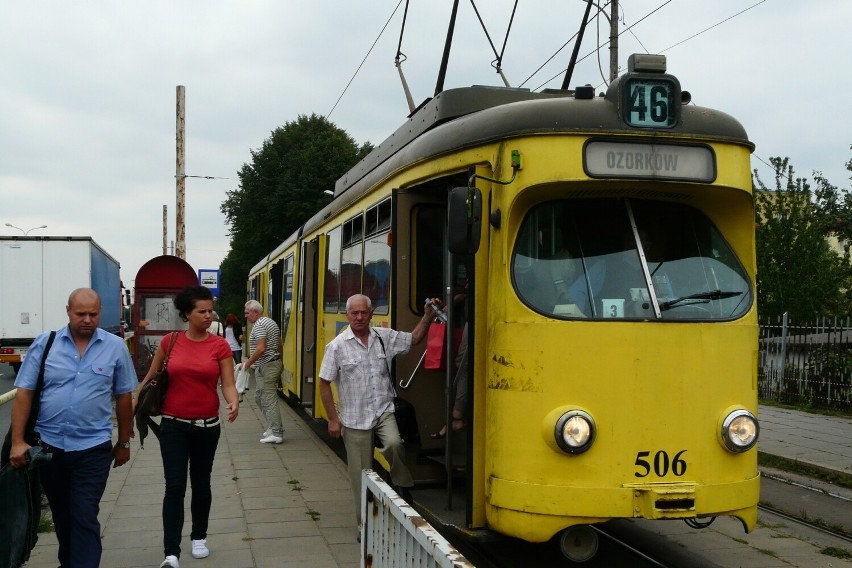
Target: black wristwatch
[[123, 444]]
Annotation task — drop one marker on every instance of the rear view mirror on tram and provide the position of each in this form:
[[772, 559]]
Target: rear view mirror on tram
[[464, 220]]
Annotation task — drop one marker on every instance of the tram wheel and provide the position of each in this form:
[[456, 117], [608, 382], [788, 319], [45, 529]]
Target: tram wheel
[[579, 543]]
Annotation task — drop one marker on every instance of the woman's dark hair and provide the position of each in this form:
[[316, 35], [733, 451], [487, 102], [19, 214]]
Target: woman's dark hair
[[186, 298], [231, 319]]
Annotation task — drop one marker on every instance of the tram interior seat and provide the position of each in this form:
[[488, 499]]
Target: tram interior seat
[[553, 273]]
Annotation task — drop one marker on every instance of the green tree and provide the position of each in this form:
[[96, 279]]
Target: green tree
[[279, 190], [797, 269]]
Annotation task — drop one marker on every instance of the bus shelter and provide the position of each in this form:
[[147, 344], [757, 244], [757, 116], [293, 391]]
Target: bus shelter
[[154, 314]]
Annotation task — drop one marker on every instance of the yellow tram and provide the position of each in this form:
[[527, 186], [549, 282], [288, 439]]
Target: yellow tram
[[604, 247]]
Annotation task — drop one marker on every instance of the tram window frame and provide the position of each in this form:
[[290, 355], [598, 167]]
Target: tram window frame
[[601, 274], [378, 218], [331, 290], [353, 230]]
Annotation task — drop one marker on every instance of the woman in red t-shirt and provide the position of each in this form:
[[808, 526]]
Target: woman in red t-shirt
[[189, 431]]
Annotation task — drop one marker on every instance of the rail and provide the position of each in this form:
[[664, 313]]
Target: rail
[[8, 396], [395, 535]]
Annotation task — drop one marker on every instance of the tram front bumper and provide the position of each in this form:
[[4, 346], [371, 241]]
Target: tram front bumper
[[537, 512]]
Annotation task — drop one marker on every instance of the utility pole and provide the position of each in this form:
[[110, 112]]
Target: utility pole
[[165, 230], [180, 176], [613, 40]]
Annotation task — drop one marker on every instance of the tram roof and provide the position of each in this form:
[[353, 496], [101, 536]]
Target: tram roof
[[465, 117]]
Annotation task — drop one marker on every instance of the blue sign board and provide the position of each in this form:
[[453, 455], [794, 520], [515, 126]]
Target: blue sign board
[[209, 278]]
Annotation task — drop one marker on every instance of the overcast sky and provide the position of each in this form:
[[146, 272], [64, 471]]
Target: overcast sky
[[87, 130]]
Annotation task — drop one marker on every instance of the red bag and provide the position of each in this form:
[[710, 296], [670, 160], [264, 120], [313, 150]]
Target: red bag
[[436, 348]]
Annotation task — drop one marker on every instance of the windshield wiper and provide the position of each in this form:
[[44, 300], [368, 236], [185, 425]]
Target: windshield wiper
[[705, 296]]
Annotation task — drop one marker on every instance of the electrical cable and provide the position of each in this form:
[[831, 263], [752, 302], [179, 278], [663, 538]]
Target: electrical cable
[[346, 88]]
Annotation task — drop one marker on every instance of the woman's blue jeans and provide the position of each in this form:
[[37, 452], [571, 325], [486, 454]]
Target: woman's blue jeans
[[186, 449]]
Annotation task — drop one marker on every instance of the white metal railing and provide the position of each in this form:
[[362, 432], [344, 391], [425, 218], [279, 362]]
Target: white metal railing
[[395, 536], [8, 396]]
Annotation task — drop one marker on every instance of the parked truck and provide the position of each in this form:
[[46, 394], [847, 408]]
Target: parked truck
[[36, 276]]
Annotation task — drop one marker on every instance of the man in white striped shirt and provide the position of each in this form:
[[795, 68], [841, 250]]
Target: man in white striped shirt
[[265, 363], [359, 361]]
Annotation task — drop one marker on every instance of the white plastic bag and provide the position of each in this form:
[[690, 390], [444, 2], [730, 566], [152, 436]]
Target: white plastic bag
[[241, 375]]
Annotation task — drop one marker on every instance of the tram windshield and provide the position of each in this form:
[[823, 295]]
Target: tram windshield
[[627, 259]]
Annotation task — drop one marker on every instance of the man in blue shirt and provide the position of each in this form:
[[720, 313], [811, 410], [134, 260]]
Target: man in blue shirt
[[86, 367]]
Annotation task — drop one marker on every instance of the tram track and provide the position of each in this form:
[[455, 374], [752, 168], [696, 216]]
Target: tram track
[[817, 526]]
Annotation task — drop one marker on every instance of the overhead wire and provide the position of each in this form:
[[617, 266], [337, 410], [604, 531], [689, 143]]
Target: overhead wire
[[713, 26], [346, 88], [646, 16]]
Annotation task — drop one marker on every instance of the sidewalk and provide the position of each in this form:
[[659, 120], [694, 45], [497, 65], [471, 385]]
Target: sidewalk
[[814, 439], [276, 506], [290, 505]]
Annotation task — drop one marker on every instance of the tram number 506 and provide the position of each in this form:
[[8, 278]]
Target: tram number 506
[[662, 464]]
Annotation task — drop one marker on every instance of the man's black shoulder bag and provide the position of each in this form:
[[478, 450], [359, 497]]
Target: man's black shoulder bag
[[29, 431], [404, 412]]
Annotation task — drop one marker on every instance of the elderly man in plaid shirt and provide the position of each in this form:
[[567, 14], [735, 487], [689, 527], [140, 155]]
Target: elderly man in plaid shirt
[[359, 361]]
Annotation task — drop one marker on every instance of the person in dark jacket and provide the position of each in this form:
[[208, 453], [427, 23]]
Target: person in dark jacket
[[20, 501]]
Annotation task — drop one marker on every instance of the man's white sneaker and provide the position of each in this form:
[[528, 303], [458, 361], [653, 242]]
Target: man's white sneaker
[[271, 439], [199, 548], [170, 562], [266, 433]]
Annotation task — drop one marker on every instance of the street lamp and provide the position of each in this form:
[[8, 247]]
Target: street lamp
[[27, 232]]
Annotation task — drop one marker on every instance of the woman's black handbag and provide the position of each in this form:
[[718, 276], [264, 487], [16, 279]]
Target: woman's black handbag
[[152, 393]]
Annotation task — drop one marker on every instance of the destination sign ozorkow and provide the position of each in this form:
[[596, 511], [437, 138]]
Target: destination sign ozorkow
[[602, 158]]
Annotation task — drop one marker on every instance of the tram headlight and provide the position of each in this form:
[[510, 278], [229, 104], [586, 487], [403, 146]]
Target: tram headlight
[[740, 431], [575, 432]]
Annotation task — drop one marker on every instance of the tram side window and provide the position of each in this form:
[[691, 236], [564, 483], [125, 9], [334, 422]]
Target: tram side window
[[583, 259], [377, 255], [377, 272], [276, 290], [331, 294], [351, 259], [288, 295], [254, 286]]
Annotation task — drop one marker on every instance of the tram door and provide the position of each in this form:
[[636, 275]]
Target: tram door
[[308, 284]]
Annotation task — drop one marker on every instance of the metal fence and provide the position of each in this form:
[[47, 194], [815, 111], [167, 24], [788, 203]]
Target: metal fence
[[806, 364]]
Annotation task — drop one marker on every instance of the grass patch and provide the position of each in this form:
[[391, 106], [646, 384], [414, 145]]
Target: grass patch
[[765, 525], [295, 485], [836, 552], [807, 408], [314, 515], [45, 525], [794, 466]]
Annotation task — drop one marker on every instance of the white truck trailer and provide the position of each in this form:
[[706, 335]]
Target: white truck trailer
[[36, 276]]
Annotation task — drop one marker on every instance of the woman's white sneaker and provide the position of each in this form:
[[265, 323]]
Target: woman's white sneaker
[[170, 562], [199, 548]]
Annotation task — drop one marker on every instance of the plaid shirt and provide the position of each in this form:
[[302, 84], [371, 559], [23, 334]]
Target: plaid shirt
[[362, 373]]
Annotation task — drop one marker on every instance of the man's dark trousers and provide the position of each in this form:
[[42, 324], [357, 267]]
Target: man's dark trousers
[[74, 483]]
